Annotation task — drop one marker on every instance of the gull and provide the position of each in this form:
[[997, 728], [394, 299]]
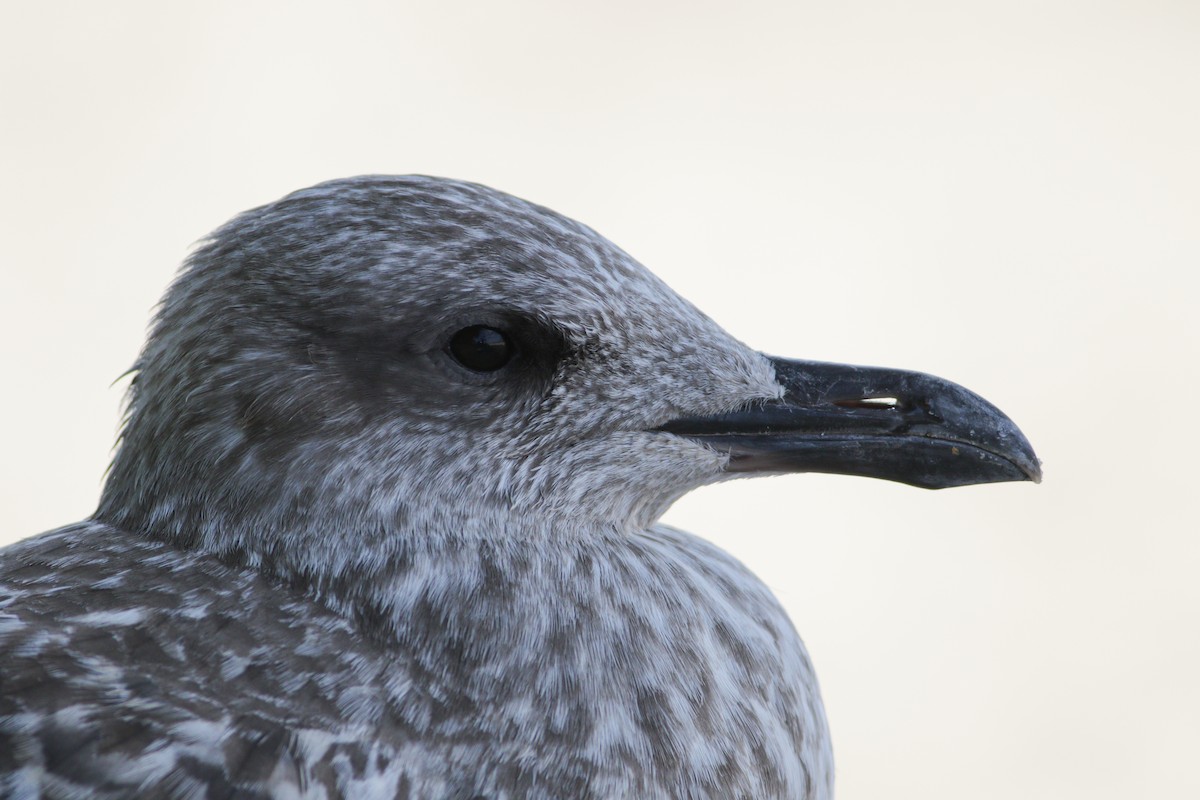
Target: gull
[[382, 524]]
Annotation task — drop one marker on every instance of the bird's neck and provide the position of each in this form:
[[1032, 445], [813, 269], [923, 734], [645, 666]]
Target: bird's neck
[[371, 562]]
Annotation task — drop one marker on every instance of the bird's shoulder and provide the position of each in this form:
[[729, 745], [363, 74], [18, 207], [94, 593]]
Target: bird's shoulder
[[126, 664]]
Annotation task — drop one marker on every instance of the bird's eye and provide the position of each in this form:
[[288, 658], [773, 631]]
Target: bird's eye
[[481, 349]]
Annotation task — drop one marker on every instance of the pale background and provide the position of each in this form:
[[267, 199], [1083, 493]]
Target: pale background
[[1004, 194]]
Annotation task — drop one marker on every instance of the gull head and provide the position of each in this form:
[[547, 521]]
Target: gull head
[[415, 357]]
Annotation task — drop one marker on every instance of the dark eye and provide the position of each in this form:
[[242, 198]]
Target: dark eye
[[481, 348]]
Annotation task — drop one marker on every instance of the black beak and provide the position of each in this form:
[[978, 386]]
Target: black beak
[[879, 423]]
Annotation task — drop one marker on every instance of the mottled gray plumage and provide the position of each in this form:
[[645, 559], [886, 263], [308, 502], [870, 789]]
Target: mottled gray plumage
[[330, 561]]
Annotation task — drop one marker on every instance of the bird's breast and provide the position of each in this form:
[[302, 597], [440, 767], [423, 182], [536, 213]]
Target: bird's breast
[[652, 665]]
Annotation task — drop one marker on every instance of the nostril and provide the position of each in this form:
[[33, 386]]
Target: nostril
[[884, 403]]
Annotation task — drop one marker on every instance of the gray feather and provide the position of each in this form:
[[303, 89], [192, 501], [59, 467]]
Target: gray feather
[[331, 562]]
